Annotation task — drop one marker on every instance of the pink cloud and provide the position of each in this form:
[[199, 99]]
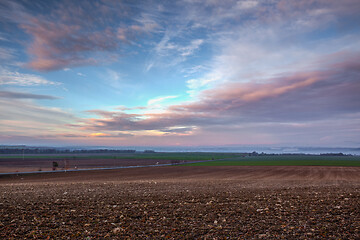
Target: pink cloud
[[70, 34], [57, 45], [248, 92]]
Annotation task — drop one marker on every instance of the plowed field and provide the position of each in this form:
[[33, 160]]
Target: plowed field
[[236, 202]]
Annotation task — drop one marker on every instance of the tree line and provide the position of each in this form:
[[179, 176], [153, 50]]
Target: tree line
[[57, 151]]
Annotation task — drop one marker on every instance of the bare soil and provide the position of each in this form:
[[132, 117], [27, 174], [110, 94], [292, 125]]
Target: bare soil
[[240, 202]]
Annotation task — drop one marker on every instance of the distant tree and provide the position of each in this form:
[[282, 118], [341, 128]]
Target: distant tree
[[254, 153]]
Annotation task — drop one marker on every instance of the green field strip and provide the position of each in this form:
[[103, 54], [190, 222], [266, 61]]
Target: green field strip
[[285, 161]]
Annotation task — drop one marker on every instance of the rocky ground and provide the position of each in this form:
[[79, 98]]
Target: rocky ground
[[184, 203]]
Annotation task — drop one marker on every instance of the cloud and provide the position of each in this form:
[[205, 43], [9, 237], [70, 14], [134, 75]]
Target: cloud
[[22, 79], [117, 81], [145, 23], [241, 5], [259, 50], [8, 57], [22, 120], [120, 121], [108, 135], [160, 99], [178, 131], [57, 45], [223, 18], [295, 96], [251, 92], [306, 96], [123, 108], [69, 35], [189, 50], [19, 109], [21, 95], [7, 54], [102, 113], [3, 37], [81, 74], [167, 53]]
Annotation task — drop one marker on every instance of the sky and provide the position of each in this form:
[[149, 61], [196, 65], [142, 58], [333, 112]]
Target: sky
[[180, 73]]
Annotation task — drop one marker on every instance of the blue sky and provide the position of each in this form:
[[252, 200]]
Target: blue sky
[[186, 73]]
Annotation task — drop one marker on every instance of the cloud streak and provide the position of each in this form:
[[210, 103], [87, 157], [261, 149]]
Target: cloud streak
[[160, 99], [21, 95], [8, 77], [23, 120]]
